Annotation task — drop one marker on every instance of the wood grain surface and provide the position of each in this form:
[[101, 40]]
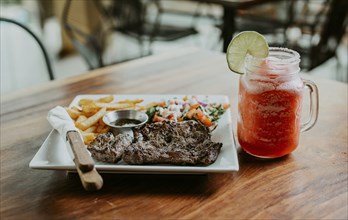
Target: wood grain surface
[[311, 183]]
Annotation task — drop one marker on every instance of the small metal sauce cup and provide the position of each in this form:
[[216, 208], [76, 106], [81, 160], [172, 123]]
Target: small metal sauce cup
[[111, 117]]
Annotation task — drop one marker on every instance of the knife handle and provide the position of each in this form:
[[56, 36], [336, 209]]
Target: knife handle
[[91, 180], [82, 158]]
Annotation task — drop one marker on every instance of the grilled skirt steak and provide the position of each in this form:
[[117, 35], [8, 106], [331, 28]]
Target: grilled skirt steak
[[109, 148], [168, 142]]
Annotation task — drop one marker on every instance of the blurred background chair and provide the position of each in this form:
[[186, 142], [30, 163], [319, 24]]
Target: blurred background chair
[[37, 40], [318, 29], [143, 20], [269, 19], [131, 18], [314, 28], [18, 68], [88, 40]]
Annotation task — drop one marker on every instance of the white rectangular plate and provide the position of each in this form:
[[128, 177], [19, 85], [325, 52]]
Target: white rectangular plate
[[53, 154]]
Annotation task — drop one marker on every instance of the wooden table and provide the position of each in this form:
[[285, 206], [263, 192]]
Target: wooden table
[[310, 183]]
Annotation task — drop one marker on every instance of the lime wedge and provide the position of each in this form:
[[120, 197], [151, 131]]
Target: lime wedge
[[246, 42]]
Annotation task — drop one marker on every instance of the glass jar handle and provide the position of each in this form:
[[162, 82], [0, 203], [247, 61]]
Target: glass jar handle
[[314, 105]]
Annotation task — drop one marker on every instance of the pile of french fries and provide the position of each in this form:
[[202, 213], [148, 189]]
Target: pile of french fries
[[88, 115]]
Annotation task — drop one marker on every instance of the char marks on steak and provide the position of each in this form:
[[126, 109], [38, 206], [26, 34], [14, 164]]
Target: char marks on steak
[[169, 142], [109, 148]]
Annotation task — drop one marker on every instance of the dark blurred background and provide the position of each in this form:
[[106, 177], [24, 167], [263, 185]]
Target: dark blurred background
[[79, 35]]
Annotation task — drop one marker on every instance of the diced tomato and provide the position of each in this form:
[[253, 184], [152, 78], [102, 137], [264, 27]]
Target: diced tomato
[[171, 117], [162, 104], [157, 118], [199, 114], [225, 106], [206, 121], [194, 106], [190, 113]]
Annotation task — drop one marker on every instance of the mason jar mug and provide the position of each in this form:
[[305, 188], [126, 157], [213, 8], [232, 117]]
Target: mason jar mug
[[270, 104]]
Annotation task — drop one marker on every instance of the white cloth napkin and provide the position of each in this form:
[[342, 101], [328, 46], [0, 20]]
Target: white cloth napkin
[[60, 120]]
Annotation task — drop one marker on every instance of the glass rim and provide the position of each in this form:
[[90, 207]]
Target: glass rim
[[286, 59], [294, 57]]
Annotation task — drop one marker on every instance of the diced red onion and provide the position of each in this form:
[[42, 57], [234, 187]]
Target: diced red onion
[[203, 104]]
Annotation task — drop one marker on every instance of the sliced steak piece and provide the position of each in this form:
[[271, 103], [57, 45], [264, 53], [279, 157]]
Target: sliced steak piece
[[169, 142], [109, 148]]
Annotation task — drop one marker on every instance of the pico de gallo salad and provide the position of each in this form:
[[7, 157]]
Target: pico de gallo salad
[[188, 108]]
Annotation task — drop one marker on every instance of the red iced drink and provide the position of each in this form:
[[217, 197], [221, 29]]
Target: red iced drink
[[270, 101]]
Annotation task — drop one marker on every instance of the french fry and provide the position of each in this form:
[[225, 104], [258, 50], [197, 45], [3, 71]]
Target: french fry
[[91, 129], [105, 129], [106, 99], [76, 108], [100, 128], [101, 122], [88, 137], [136, 101], [83, 102], [90, 109], [88, 115], [115, 106], [80, 118], [91, 120], [74, 114]]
